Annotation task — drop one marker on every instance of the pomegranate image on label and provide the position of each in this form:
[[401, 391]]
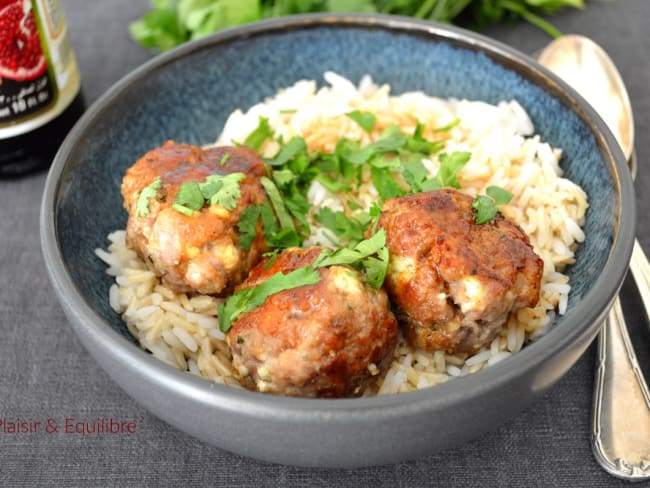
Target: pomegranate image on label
[[21, 55]]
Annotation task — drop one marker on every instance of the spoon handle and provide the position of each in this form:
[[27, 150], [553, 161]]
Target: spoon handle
[[641, 272], [621, 414]]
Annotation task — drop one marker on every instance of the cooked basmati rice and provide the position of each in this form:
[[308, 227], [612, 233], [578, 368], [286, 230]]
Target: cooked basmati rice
[[183, 331]]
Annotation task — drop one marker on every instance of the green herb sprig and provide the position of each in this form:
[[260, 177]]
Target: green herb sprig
[[369, 256], [486, 205], [148, 192], [173, 22], [215, 190]]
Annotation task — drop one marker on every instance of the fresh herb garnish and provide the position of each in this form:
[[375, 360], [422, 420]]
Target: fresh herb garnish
[[262, 132], [247, 226], [348, 229], [285, 220], [361, 256], [450, 165], [220, 190], [486, 205], [288, 151], [224, 158], [149, 191], [247, 299], [352, 255], [172, 22], [366, 120]]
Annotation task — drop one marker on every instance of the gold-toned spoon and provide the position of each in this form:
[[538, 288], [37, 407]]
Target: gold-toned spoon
[[621, 414]]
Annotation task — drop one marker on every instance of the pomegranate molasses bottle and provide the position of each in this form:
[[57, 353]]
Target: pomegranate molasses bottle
[[40, 90]]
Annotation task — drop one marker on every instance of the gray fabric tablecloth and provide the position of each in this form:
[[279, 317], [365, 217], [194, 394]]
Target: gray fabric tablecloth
[[46, 373]]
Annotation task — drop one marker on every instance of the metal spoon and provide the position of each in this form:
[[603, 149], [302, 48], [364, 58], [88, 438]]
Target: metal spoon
[[621, 415]]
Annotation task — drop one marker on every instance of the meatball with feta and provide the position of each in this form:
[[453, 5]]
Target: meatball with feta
[[453, 282], [194, 249], [329, 339]]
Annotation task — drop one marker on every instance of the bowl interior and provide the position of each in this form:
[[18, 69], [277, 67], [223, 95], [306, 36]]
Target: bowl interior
[[187, 95]]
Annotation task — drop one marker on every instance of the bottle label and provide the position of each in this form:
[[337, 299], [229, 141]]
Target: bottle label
[[38, 71]]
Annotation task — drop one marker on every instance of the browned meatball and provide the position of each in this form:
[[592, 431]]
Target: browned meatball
[[454, 282], [200, 252], [329, 339]]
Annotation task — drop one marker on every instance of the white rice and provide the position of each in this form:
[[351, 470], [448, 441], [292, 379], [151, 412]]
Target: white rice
[[183, 331]]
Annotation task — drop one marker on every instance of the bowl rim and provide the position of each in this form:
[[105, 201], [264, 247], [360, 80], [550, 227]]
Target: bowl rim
[[581, 320]]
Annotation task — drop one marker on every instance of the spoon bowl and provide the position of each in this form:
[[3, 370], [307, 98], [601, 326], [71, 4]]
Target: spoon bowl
[[586, 67]]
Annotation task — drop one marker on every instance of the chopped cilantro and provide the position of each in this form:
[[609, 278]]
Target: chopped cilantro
[[361, 255], [227, 193], [279, 208], [262, 132], [183, 209], [391, 139], [149, 191], [247, 226], [295, 145], [285, 238], [352, 255], [224, 158], [415, 174], [283, 177], [501, 195], [189, 197], [333, 185], [377, 267], [385, 184], [215, 190], [269, 220], [448, 127], [450, 165], [486, 205], [349, 229], [353, 205], [366, 120], [247, 299]]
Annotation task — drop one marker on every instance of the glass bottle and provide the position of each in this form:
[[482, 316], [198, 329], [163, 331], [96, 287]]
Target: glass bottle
[[40, 88]]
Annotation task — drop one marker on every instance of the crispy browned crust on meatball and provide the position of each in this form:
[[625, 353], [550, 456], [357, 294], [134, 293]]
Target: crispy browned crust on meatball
[[453, 282], [200, 252], [330, 339]]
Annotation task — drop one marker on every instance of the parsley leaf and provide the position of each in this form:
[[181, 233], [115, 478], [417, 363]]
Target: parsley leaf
[[285, 238], [295, 145], [247, 226], [149, 191], [189, 197], [486, 205], [353, 255], [281, 212], [376, 268], [501, 196], [222, 189], [247, 299], [350, 229], [450, 165], [215, 190], [366, 120], [385, 184], [262, 132], [362, 255], [415, 174]]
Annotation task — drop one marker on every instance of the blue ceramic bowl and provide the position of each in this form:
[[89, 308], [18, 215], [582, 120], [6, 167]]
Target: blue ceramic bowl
[[186, 95]]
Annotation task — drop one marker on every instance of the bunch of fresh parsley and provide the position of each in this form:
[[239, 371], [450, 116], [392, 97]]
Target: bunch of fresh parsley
[[173, 22]]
